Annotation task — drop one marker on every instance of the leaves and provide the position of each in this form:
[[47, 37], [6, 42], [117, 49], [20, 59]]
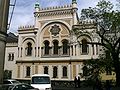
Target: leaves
[[108, 22], [95, 67], [104, 6]]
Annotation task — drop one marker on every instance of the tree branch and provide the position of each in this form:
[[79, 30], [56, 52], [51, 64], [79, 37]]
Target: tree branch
[[117, 42], [118, 49]]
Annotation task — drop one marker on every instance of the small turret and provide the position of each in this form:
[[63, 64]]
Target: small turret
[[74, 1], [37, 7], [74, 11]]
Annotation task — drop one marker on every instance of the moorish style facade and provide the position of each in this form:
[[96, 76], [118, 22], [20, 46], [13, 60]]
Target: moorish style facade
[[50, 46]]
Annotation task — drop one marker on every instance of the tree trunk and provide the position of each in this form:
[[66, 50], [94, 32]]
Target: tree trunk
[[117, 68]]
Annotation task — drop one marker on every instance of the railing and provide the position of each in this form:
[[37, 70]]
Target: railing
[[51, 53]]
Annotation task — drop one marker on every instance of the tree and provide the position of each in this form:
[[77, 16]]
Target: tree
[[118, 4], [95, 67], [108, 29], [7, 74]]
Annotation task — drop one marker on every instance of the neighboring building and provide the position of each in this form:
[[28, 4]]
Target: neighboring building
[[50, 46], [11, 54]]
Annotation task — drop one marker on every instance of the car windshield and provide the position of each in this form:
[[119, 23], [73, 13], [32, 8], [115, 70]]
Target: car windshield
[[40, 80], [15, 82]]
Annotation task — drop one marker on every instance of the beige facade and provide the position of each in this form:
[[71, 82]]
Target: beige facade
[[50, 46]]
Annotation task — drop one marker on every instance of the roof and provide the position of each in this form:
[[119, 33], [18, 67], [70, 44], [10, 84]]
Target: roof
[[12, 38]]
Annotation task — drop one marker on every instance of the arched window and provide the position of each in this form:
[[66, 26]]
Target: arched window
[[64, 71], [55, 49], [55, 72], [65, 47], [46, 47], [45, 70], [28, 71], [29, 49], [84, 46]]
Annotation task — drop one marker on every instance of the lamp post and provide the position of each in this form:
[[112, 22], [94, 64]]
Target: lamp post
[[4, 10]]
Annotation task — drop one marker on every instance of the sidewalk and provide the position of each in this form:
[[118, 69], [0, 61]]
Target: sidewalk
[[82, 88], [63, 88]]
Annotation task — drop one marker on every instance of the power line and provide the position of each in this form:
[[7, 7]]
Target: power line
[[11, 5]]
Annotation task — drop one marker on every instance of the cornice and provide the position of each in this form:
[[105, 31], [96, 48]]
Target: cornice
[[50, 61]]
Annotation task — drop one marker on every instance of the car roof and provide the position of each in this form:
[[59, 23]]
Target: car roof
[[10, 80], [40, 75]]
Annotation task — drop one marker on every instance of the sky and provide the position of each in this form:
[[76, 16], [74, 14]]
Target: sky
[[24, 9]]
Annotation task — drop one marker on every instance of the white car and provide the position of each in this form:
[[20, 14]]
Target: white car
[[41, 81]]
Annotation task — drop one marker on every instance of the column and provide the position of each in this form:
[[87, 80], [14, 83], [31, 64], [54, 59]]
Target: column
[[69, 72], [73, 71], [94, 49], [40, 69], [18, 71], [51, 71], [77, 50], [36, 69], [22, 71], [4, 10], [77, 69], [33, 69], [73, 50], [59, 72]]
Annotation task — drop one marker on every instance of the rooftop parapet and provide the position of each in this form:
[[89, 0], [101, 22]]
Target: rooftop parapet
[[26, 27], [86, 24], [87, 21], [52, 11], [55, 8]]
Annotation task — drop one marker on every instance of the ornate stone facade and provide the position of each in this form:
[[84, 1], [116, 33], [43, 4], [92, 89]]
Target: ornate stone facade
[[51, 47]]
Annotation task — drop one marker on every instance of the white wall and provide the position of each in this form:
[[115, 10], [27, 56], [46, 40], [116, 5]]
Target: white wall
[[11, 65]]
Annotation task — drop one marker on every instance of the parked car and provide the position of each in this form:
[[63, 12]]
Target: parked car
[[10, 81], [21, 86]]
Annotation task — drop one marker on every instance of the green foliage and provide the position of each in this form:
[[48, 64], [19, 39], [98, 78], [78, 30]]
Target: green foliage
[[7, 74], [118, 4], [95, 67], [104, 6], [98, 11], [107, 22]]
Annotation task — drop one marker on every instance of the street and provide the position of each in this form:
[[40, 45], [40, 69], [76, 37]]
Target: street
[[82, 88]]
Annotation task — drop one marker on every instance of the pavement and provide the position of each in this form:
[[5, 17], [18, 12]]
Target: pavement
[[81, 88]]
